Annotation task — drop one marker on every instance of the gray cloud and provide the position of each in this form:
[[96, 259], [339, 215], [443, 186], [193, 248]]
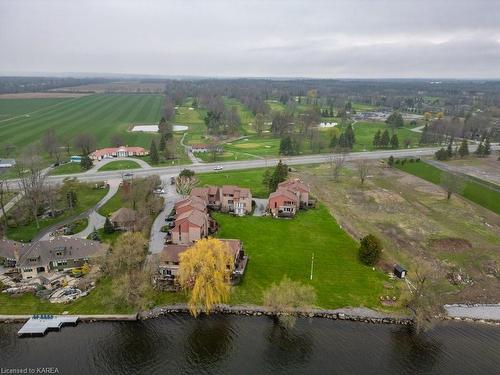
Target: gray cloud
[[363, 38]]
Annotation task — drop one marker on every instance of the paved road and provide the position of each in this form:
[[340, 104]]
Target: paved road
[[491, 176], [11, 203], [95, 219], [193, 158], [157, 238], [165, 172], [103, 162]]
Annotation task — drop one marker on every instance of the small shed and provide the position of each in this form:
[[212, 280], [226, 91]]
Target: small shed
[[399, 271], [75, 159]]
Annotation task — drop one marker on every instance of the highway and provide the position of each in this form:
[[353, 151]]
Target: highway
[[243, 164]]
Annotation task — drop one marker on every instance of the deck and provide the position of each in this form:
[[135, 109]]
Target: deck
[[38, 325]]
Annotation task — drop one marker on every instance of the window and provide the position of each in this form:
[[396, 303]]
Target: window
[[28, 269], [168, 272], [33, 259]]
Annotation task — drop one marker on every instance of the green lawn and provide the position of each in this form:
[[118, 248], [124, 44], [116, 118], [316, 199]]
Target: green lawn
[[101, 115], [15, 107], [250, 178], [475, 190], [87, 197], [79, 225], [68, 168], [365, 131], [246, 116], [119, 164], [115, 203], [279, 247]]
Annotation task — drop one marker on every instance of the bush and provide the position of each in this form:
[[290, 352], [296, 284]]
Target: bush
[[186, 173], [370, 250], [403, 162], [396, 161]]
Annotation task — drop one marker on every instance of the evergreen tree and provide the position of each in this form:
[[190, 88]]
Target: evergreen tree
[[279, 174], [384, 140], [424, 136], [153, 153], [376, 138], [162, 144], [286, 147], [395, 120], [86, 163], [370, 250], [464, 148], [480, 150], [334, 141], [449, 149], [487, 146], [390, 161], [349, 135], [108, 226], [441, 154], [394, 141], [342, 141]]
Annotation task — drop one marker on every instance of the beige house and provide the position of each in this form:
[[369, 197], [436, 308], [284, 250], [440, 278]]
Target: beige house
[[236, 200]]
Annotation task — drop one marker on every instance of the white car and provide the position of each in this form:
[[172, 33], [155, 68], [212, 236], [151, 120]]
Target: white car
[[218, 168]]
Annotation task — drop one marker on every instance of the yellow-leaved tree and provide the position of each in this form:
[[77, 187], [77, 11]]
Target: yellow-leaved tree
[[205, 272]]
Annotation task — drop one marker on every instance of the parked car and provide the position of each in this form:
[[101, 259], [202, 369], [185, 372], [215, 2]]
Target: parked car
[[172, 180], [218, 168], [159, 191]]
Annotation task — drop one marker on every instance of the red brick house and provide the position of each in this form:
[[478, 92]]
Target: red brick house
[[236, 199], [283, 203], [297, 187], [122, 151]]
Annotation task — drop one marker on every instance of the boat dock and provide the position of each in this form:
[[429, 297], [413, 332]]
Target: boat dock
[[38, 325]]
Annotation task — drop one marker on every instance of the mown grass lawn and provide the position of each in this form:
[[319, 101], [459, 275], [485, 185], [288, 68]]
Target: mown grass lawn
[[119, 164], [250, 178], [114, 203], [68, 168], [475, 190], [87, 197], [16, 107], [279, 247]]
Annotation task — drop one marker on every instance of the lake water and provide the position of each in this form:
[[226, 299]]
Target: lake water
[[228, 344]]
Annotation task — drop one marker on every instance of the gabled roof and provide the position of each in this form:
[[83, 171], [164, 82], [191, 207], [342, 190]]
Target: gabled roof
[[284, 193], [43, 252], [9, 248], [200, 192], [170, 253], [294, 184], [236, 191], [114, 150], [195, 217]]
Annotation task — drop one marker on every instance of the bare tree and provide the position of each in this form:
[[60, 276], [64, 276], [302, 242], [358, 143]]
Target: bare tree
[[32, 181], [49, 142], [4, 190], [85, 142], [184, 185], [337, 162], [451, 184], [363, 168]]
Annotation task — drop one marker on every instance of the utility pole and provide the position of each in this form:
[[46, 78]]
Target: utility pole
[[312, 265]]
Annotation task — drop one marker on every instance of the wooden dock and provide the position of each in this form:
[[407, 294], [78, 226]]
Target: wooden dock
[[38, 325]]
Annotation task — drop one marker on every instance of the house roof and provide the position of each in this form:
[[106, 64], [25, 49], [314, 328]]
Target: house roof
[[43, 252], [192, 202], [114, 150], [195, 217], [170, 253], [294, 184], [236, 191], [200, 192], [124, 215], [283, 193], [199, 145], [8, 249]]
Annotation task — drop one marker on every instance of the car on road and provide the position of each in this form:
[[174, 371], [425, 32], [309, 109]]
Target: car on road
[[128, 174], [218, 168], [159, 191]]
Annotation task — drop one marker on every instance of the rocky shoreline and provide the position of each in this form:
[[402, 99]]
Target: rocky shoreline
[[351, 314]]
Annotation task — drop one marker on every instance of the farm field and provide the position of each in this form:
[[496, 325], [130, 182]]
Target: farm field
[[100, 115], [418, 227], [474, 190], [339, 278], [16, 107], [124, 87], [119, 164]]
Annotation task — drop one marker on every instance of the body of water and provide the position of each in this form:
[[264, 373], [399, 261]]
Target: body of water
[[229, 344]]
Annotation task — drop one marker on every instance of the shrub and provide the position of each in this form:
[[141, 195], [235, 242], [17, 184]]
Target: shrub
[[186, 173], [370, 250]]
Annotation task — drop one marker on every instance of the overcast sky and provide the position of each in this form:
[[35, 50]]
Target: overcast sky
[[327, 39]]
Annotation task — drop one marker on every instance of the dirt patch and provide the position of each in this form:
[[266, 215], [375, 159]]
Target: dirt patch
[[42, 95], [382, 196], [450, 244]]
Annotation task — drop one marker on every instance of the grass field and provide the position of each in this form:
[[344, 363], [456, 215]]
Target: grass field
[[119, 164], [100, 115], [250, 178], [67, 168], [87, 197], [284, 247], [473, 190], [365, 131], [15, 107]]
